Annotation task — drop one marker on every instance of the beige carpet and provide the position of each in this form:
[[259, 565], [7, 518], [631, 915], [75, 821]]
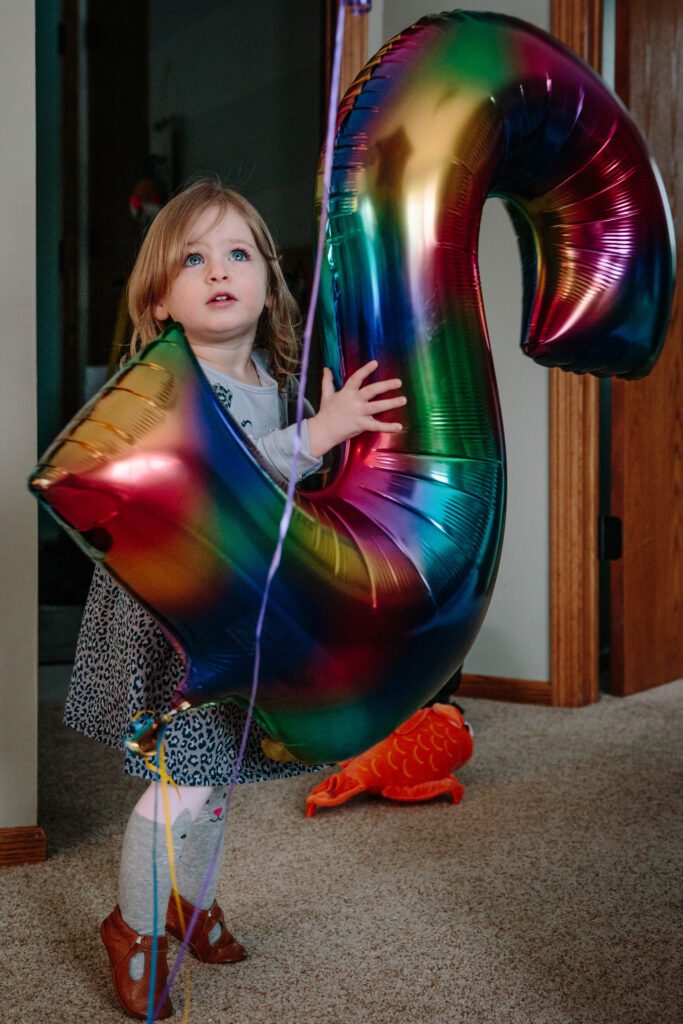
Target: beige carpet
[[551, 895]]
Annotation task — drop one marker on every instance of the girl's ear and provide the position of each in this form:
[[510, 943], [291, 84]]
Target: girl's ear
[[161, 312]]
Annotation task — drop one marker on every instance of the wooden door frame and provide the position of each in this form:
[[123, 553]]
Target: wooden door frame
[[574, 466], [574, 458]]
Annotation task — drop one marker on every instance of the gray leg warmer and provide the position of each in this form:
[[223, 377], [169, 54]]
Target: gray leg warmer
[[207, 829], [136, 878]]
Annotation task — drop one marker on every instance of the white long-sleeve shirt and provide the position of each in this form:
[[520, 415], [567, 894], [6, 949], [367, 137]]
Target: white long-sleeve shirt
[[262, 413]]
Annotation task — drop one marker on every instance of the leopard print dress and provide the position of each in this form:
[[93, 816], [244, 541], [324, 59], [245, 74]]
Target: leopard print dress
[[124, 664]]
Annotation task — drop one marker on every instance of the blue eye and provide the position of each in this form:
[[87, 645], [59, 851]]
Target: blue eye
[[239, 255], [192, 256]]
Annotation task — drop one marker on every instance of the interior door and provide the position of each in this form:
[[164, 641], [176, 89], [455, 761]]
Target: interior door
[[646, 615]]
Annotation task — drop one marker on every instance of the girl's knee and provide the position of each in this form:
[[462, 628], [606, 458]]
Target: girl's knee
[[180, 798]]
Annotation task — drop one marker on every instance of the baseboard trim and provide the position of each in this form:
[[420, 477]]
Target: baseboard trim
[[520, 691], [22, 846]]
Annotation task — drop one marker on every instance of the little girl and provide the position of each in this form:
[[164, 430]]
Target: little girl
[[208, 262]]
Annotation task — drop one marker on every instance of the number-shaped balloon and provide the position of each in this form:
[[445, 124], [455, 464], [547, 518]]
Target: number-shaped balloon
[[387, 573]]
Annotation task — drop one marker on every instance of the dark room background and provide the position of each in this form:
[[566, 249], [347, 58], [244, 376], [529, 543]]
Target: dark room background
[[134, 99]]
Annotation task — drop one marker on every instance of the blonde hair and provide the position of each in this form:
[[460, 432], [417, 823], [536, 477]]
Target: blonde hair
[[160, 259]]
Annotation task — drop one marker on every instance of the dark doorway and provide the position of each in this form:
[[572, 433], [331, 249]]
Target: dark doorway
[[153, 93]]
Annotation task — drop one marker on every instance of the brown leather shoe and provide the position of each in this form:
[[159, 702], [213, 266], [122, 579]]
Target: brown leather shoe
[[225, 950], [122, 945]]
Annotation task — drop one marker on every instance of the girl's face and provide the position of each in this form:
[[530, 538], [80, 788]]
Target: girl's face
[[221, 288]]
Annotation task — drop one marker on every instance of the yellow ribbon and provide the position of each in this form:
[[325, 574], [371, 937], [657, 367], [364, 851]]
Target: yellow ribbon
[[166, 781]]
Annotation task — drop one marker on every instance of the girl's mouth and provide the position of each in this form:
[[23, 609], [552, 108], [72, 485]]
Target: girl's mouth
[[221, 299]]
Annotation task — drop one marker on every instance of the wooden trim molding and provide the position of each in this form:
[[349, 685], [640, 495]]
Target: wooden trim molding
[[574, 419], [578, 24], [354, 50], [520, 691], [574, 608], [22, 846]]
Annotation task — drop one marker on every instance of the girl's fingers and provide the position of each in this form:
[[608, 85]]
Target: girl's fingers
[[380, 386], [357, 378], [327, 386], [384, 404], [383, 428]]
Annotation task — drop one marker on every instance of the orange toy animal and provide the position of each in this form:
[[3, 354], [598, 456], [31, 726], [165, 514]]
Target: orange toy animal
[[413, 763]]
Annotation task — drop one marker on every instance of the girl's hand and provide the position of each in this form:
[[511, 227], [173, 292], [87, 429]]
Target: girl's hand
[[346, 413]]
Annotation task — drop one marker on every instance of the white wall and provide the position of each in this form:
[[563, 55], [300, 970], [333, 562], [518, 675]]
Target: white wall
[[18, 542], [515, 639]]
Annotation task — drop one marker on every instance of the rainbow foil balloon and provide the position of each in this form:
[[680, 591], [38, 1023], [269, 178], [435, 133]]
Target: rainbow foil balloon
[[387, 572]]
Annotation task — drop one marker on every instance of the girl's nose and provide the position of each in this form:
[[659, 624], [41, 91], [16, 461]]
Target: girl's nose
[[217, 272]]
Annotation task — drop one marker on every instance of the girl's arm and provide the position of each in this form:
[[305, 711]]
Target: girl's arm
[[278, 447], [343, 414], [352, 410]]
